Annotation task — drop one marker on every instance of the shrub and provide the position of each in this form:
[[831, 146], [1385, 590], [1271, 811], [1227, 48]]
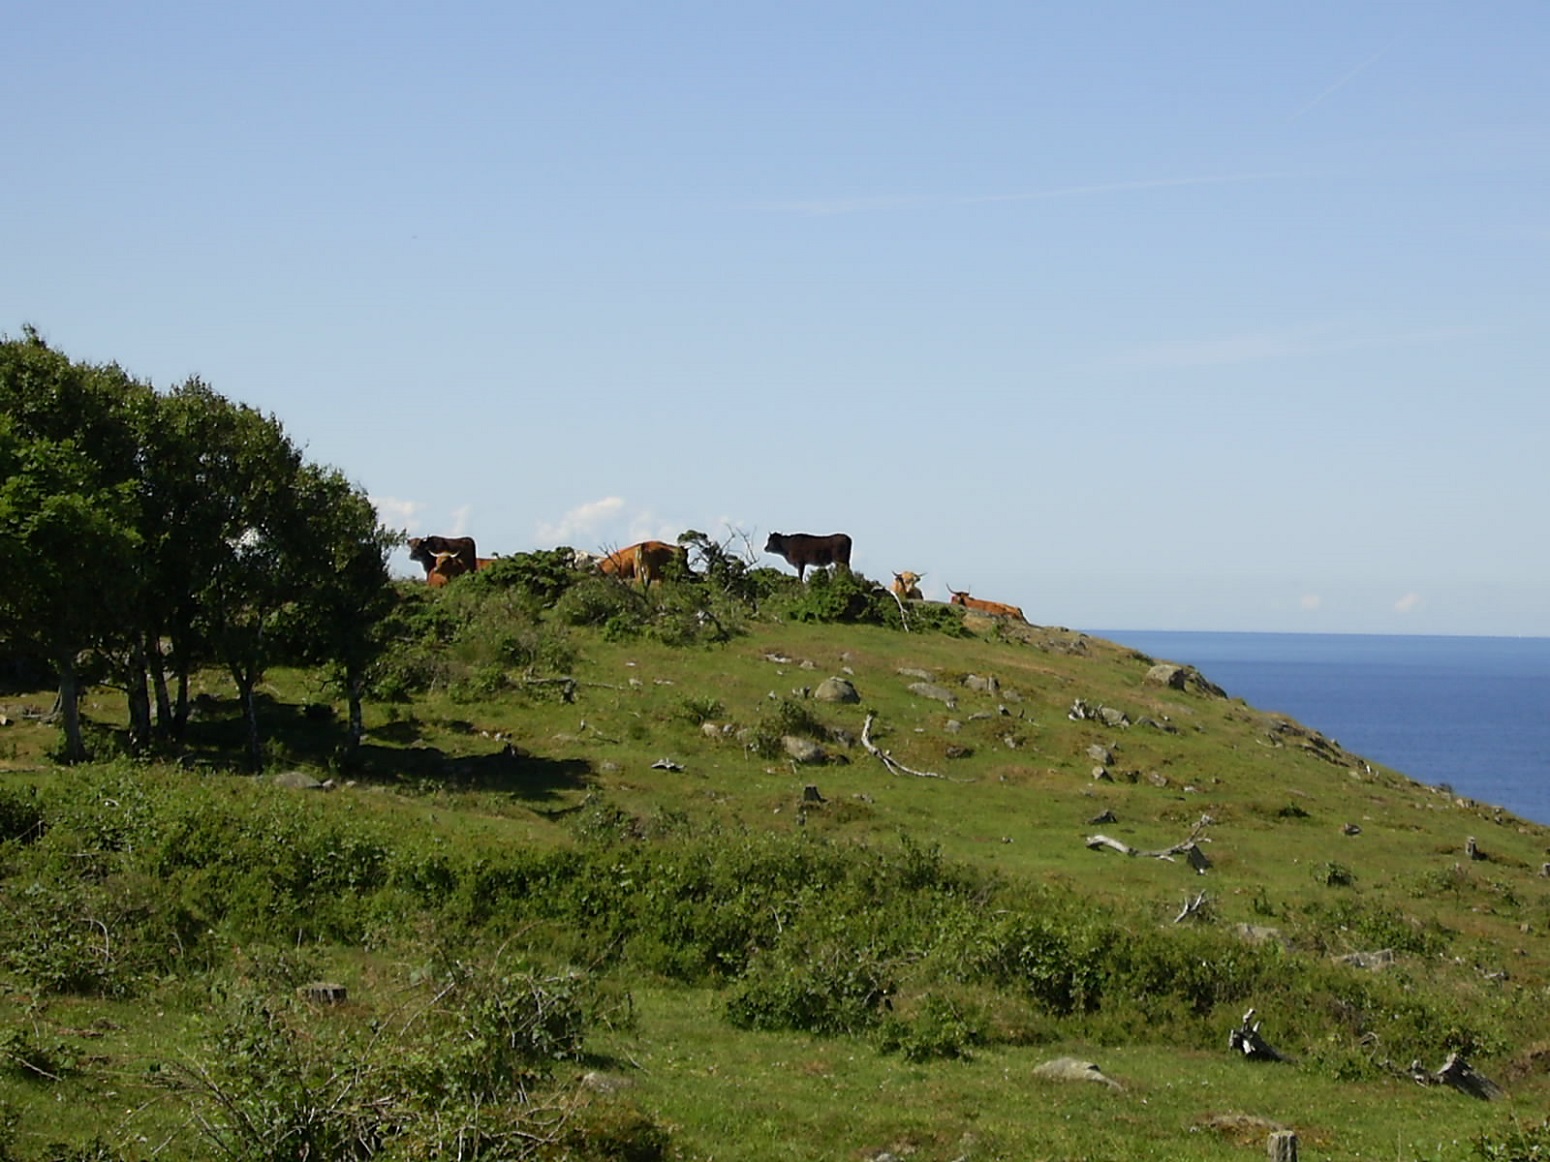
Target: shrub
[[21, 817], [941, 1027]]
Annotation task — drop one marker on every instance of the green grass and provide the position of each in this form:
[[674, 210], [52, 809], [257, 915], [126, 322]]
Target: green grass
[[491, 821]]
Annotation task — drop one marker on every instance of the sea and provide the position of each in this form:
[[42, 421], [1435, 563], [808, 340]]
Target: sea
[[1471, 713]]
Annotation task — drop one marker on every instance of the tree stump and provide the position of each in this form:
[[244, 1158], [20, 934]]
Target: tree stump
[[1282, 1146]]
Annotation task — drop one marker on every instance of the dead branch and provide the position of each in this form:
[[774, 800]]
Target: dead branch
[[1188, 846], [1246, 1039], [1191, 908], [899, 601], [895, 767], [1459, 1074]]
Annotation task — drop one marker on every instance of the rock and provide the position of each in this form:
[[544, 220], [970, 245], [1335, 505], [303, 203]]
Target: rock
[[710, 730], [912, 672], [1105, 816], [1112, 717], [938, 693], [982, 685], [836, 690], [1074, 1069], [803, 750], [1100, 754], [323, 992], [600, 1082], [1183, 678], [810, 794], [666, 764], [1351, 829], [297, 781], [953, 726], [1157, 778], [1260, 934], [1101, 775], [1371, 961], [959, 752]]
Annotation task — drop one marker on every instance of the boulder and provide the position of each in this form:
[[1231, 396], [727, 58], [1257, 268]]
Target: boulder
[[1188, 678], [803, 750], [1100, 754], [299, 781], [982, 684], [1074, 1069], [938, 693], [836, 690]]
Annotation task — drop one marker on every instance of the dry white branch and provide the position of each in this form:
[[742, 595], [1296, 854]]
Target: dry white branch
[[1188, 846], [894, 765], [1191, 908]]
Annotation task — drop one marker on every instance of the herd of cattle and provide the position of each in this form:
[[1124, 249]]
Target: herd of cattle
[[445, 558]]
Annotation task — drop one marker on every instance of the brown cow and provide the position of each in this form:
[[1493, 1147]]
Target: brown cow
[[425, 550], [444, 567], [906, 586], [645, 562], [980, 605]]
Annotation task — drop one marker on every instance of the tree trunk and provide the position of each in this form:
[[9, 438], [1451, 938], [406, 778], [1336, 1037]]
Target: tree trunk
[[157, 662], [135, 686], [180, 708], [354, 685], [247, 686], [70, 709]]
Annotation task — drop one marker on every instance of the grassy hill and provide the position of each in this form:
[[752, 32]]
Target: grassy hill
[[584, 903]]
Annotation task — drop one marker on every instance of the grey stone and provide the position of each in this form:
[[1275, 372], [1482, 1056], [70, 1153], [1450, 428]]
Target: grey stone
[[1074, 1069], [982, 685], [803, 750], [939, 693], [297, 781], [836, 690], [1100, 754]]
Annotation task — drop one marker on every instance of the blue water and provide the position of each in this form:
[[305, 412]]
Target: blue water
[[1471, 712]]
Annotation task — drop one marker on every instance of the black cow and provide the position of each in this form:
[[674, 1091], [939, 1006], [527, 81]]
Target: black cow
[[804, 549], [424, 550]]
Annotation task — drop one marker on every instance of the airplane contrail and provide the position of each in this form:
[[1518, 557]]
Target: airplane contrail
[[1343, 81]]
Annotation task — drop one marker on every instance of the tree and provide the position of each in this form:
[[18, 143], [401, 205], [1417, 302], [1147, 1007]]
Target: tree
[[258, 561], [338, 616], [67, 512]]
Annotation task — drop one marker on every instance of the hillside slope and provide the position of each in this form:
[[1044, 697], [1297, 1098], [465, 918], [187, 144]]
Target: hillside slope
[[814, 959]]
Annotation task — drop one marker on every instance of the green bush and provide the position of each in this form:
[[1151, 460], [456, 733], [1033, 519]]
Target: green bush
[[21, 817]]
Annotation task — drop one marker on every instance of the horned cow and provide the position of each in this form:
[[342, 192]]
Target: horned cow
[[906, 586], [980, 605], [804, 549], [425, 550]]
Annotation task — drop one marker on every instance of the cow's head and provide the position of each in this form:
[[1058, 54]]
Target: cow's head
[[776, 543]]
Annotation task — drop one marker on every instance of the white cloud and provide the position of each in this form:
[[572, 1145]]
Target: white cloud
[[460, 520], [581, 522], [1409, 603], [398, 514]]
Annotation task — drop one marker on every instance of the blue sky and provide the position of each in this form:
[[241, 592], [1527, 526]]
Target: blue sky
[[1150, 316]]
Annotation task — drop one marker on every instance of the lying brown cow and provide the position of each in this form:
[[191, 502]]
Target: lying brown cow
[[980, 605], [425, 550], [645, 562], [444, 567], [906, 586]]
